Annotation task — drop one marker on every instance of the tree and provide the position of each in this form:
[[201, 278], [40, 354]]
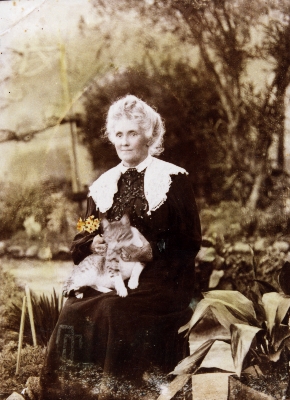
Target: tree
[[224, 31], [176, 87]]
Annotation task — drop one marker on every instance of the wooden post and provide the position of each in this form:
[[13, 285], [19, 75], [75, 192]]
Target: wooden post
[[21, 330], [30, 313]]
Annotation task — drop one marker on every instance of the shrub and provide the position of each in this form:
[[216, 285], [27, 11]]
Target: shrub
[[47, 204], [31, 364], [9, 293], [46, 311]]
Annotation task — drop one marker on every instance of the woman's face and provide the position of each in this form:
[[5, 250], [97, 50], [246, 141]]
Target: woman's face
[[130, 142]]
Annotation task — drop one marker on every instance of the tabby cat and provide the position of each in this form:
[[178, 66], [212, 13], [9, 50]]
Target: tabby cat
[[106, 273]]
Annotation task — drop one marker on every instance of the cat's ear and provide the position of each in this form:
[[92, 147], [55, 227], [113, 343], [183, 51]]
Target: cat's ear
[[105, 223], [125, 220]]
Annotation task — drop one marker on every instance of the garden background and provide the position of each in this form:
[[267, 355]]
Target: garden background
[[218, 71]]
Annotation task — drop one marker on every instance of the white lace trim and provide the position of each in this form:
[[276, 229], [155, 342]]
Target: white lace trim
[[157, 181], [144, 164]]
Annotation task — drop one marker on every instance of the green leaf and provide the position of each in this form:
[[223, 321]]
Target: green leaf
[[207, 328], [199, 312], [219, 356], [190, 364], [242, 337], [228, 306], [174, 387], [276, 306], [235, 301], [281, 333]]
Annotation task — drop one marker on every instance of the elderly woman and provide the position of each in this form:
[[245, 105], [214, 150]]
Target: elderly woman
[[127, 338]]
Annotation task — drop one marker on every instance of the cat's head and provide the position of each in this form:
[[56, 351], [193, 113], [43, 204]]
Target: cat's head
[[117, 232]]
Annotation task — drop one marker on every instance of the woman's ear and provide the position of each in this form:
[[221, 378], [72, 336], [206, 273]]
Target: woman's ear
[[150, 142]]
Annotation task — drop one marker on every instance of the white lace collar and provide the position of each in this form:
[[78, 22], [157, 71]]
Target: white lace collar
[[140, 167], [157, 181]]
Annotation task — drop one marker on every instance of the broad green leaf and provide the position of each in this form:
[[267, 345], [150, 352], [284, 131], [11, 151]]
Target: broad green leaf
[[242, 337], [281, 333], [219, 356], [229, 307], [190, 364], [276, 306], [234, 300], [275, 356], [199, 312], [207, 328], [177, 384], [225, 315]]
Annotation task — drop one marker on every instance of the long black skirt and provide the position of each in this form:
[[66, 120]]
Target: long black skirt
[[103, 336]]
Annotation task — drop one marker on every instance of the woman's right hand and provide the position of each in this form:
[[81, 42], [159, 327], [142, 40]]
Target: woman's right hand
[[99, 246]]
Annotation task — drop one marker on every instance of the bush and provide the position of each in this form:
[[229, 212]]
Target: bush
[[30, 365], [46, 311], [222, 220], [48, 205], [9, 292]]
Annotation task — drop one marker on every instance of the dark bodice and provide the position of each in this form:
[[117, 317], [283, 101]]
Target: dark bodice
[[130, 198], [173, 230]]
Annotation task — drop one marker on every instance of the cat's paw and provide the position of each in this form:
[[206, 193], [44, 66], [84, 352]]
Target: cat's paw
[[133, 283], [122, 292]]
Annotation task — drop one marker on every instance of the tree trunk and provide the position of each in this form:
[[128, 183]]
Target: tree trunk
[[255, 193]]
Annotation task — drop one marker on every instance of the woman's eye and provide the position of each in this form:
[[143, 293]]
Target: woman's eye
[[118, 134], [134, 133]]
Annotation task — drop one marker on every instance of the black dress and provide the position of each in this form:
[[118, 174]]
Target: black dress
[[126, 337]]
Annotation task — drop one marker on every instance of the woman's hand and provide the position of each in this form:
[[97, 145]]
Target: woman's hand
[[99, 246], [135, 253]]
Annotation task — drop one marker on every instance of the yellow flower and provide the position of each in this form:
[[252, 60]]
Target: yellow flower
[[90, 225], [81, 225], [96, 223]]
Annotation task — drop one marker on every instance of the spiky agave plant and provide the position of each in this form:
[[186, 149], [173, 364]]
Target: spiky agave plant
[[46, 310]]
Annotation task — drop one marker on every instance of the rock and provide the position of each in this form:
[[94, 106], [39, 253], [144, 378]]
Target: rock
[[241, 247], [2, 248], [260, 245], [281, 246], [206, 254], [44, 253], [208, 241], [215, 278], [15, 396], [32, 227], [16, 251], [32, 251], [219, 262]]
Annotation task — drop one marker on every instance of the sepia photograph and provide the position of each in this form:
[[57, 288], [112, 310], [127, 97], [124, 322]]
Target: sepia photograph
[[144, 199]]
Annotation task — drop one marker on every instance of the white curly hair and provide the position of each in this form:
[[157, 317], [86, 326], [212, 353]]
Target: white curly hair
[[149, 121]]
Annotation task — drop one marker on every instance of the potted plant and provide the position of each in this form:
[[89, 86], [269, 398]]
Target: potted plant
[[257, 331]]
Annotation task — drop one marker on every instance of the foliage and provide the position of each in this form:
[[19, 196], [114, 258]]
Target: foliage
[[45, 201], [9, 293], [256, 329], [46, 311], [31, 364], [175, 86], [230, 36]]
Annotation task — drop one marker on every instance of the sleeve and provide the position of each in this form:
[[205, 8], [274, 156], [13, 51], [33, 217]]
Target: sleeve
[[181, 234], [80, 247], [185, 232], [174, 250]]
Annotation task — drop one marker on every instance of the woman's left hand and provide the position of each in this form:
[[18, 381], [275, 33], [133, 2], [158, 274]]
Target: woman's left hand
[[135, 253]]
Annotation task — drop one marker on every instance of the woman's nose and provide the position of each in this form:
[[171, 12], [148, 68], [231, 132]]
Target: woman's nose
[[124, 140]]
